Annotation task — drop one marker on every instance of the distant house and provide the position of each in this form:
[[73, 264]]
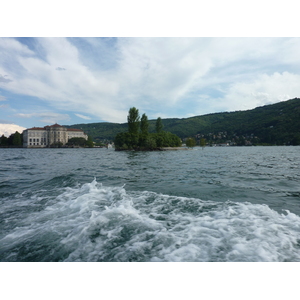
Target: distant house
[[42, 137]]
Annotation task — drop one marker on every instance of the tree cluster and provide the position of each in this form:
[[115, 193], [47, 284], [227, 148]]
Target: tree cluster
[[190, 142], [14, 140], [138, 137], [80, 142]]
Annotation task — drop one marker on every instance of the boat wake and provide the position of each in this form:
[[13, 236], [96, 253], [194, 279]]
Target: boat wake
[[91, 222]]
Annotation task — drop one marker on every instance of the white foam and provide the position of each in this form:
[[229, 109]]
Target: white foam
[[96, 223]]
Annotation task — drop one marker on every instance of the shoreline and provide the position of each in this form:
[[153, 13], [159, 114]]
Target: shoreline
[[174, 148]]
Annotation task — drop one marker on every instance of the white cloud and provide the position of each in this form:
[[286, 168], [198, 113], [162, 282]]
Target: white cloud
[[77, 89], [265, 89], [199, 75], [46, 117], [14, 47], [83, 117], [8, 129], [161, 69], [2, 98]]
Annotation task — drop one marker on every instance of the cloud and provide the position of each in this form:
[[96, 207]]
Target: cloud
[[35, 77], [176, 77], [8, 129], [46, 117], [14, 47], [265, 89], [83, 117], [3, 79], [2, 98]]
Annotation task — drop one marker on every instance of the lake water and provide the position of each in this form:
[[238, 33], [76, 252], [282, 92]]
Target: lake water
[[217, 204]]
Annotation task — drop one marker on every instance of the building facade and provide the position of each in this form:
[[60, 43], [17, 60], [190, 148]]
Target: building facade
[[42, 137]]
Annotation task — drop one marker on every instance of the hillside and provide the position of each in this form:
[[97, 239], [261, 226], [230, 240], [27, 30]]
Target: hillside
[[271, 124]]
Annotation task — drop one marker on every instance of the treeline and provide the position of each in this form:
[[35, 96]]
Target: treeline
[[277, 123], [15, 140], [75, 142], [80, 142], [138, 137]]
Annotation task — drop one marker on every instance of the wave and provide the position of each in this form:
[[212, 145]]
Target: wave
[[91, 222], [18, 157]]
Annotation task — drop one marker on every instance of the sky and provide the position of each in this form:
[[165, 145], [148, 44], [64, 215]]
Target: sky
[[73, 80], [82, 80], [168, 58]]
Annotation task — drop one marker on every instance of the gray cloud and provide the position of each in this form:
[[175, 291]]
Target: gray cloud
[[3, 79], [60, 69]]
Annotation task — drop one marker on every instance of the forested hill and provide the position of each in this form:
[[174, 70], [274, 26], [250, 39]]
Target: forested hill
[[271, 124]]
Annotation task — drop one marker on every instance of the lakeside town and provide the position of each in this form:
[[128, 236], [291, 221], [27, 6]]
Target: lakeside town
[[57, 136], [276, 124]]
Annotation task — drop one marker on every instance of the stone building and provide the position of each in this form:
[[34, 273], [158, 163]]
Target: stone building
[[42, 137]]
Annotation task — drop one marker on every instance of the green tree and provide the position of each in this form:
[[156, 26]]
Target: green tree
[[17, 141], [10, 139], [150, 143], [144, 131], [143, 140], [77, 141], [90, 142], [166, 139], [202, 143], [190, 142], [121, 141], [56, 145], [159, 125], [160, 141], [133, 120], [144, 125], [3, 141]]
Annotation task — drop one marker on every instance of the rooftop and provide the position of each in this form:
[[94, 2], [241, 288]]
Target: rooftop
[[54, 125], [36, 128]]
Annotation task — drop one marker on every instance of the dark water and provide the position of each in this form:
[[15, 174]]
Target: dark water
[[216, 204]]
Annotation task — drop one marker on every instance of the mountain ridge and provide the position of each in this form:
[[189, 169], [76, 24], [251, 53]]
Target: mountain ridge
[[277, 123]]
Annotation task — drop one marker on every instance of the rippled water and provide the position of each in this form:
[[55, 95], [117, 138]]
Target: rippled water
[[216, 204]]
